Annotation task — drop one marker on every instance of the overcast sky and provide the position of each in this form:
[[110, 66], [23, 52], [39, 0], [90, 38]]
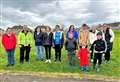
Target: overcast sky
[[51, 12]]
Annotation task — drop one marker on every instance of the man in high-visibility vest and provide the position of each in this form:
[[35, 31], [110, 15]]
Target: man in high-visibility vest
[[25, 38]]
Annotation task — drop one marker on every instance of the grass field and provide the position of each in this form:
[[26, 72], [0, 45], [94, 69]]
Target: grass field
[[112, 69]]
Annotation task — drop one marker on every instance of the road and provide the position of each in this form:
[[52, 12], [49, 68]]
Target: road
[[29, 78]]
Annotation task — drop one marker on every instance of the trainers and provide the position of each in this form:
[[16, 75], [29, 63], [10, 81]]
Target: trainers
[[49, 61], [107, 62], [46, 61], [98, 69], [7, 65]]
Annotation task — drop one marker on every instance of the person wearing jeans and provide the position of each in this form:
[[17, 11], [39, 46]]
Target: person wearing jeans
[[38, 37], [9, 43], [39, 52], [10, 56]]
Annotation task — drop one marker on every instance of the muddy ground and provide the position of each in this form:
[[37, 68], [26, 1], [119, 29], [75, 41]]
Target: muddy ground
[[30, 78]]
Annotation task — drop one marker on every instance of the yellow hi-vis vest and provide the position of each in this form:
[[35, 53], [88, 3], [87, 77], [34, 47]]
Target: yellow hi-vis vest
[[25, 39]]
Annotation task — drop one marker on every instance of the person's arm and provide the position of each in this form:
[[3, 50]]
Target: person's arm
[[93, 45], [34, 35], [62, 42], [3, 40], [76, 35], [79, 37], [66, 43], [76, 46], [112, 35], [67, 35], [19, 39], [15, 40], [53, 43], [31, 39]]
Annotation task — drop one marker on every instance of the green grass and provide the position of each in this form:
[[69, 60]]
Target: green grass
[[112, 69]]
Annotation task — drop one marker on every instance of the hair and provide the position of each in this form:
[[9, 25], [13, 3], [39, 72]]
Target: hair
[[8, 29], [37, 28], [57, 26], [71, 27], [85, 25], [48, 27]]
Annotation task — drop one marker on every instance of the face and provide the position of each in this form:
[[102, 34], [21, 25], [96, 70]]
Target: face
[[70, 35], [9, 31], [99, 37], [104, 27], [57, 28], [43, 29], [25, 29], [93, 28], [38, 29], [85, 28], [48, 29], [72, 28]]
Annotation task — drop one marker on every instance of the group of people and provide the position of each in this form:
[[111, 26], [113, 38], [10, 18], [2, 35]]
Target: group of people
[[78, 44]]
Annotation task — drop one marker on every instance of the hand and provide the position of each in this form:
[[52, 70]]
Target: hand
[[19, 45], [90, 51]]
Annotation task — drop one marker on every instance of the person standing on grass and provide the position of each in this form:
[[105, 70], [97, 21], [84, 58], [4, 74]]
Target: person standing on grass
[[48, 38], [58, 41], [83, 43], [92, 38], [38, 37], [9, 43], [25, 38], [73, 31], [109, 38], [71, 47], [100, 47]]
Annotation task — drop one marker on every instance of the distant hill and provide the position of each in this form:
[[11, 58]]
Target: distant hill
[[115, 25]]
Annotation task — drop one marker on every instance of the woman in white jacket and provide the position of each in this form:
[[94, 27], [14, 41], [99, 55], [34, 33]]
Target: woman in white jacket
[[92, 38], [109, 38]]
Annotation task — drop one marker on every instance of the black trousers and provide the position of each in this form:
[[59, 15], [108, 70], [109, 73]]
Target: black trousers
[[97, 56], [91, 55], [58, 52], [24, 53], [107, 55], [48, 51]]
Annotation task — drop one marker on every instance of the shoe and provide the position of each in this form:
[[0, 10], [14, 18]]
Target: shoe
[[12, 64], [21, 62], [46, 61], [8, 65], [98, 69], [49, 61], [107, 62], [28, 62]]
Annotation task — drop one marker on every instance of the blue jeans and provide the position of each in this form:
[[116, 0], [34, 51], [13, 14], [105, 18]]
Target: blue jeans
[[10, 56], [39, 52]]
